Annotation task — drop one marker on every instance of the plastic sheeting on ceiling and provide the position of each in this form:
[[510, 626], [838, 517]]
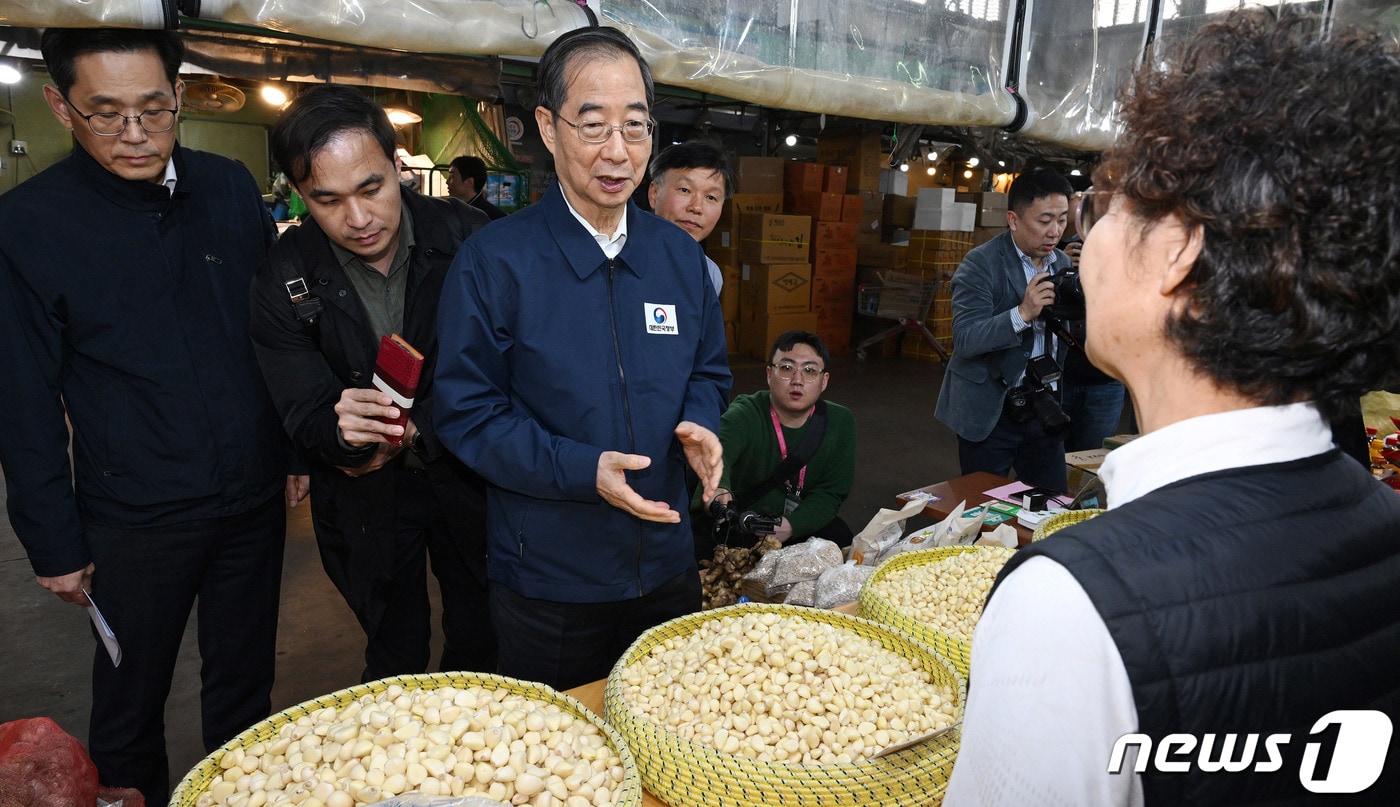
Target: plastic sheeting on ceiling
[[906, 61]]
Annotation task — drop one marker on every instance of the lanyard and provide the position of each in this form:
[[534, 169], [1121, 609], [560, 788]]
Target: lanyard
[[782, 441]]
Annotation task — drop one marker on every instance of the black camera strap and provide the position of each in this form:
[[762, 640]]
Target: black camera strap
[[800, 456]]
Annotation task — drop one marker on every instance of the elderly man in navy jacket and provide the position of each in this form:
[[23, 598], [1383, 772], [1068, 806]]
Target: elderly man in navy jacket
[[582, 363]]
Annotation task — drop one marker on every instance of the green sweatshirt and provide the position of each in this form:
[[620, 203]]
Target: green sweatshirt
[[751, 453]]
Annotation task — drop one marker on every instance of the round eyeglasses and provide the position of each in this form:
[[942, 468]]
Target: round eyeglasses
[[1092, 206], [111, 124], [786, 370], [596, 131]]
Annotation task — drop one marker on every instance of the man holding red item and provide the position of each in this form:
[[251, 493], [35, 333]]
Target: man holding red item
[[339, 308]]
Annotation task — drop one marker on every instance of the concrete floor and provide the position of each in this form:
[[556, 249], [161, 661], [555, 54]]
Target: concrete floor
[[46, 645]]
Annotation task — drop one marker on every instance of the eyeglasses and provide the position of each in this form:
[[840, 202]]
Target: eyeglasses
[[786, 370], [1093, 205], [111, 124], [596, 131]]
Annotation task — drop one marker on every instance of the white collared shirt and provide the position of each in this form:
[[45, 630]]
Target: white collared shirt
[[170, 177], [1038, 347], [1052, 694], [611, 245]]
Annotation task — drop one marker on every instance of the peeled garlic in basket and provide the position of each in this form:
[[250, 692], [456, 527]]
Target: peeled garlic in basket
[[785, 689]]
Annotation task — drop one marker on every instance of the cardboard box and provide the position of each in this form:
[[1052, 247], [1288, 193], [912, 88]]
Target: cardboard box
[[837, 339], [860, 153], [830, 291], [1082, 466], [935, 198], [800, 177], [726, 234], [985, 200], [1118, 440], [833, 234], [899, 211], [731, 335], [729, 293], [758, 174], [834, 262], [820, 206], [726, 257], [772, 238], [852, 207], [835, 314], [992, 218], [868, 239], [883, 255], [959, 217], [758, 330], [836, 178], [893, 180], [776, 288]]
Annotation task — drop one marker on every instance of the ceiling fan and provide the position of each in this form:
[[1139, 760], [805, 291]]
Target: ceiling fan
[[214, 96]]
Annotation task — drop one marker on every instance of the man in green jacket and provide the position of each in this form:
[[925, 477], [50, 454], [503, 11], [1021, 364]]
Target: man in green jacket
[[761, 429]]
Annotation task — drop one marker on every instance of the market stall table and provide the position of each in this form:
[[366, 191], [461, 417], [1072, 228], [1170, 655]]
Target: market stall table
[[970, 489]]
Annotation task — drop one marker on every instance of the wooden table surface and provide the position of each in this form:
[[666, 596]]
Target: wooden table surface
[[971, 489]]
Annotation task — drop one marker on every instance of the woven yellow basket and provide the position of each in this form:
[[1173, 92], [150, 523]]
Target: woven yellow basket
[[689, 774], [198, 780], [874, 606], [1062, 520]]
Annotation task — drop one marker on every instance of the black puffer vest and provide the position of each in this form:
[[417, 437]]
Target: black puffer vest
[[1253, 600]]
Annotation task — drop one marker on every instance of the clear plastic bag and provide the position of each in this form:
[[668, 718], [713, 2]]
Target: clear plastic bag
[[802, 593], [840, 585], [805, 561]]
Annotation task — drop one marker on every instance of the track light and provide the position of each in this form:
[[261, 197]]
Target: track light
[[791, 140], [9, 72], [904, 168], [972, 162], [274, 95]]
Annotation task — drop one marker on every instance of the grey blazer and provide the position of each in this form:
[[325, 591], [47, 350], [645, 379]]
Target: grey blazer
[[988, 353]]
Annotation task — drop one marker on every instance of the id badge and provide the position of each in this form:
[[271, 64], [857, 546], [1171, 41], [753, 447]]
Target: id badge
[[790, 502]]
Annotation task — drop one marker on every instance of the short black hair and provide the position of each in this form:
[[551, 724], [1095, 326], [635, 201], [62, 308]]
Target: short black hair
[[787, 340], [593, 44], [62, 47], [1034, 185], [695, 154], [318, 115], [1295, 295], [473, 168]]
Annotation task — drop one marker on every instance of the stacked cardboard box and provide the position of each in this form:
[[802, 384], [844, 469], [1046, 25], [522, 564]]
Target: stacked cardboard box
[[935, 255], [775, 279], [991, 207], [860, 154], [938, 209]]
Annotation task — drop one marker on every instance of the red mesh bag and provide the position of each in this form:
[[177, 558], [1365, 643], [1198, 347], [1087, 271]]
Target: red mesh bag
[[41, 765]]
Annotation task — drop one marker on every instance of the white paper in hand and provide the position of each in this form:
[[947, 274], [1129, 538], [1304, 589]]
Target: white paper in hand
[[109, 639]]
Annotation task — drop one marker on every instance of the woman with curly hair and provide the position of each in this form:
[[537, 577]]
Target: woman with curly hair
[[1241, 269]]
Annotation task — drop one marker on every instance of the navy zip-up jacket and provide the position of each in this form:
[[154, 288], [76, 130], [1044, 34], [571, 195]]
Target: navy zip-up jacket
[[126, 308], [550, 354]]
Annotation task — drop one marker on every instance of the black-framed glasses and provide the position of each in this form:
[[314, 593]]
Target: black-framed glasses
[[1092, 206], [786, 370], [596, 131], [111, 124]]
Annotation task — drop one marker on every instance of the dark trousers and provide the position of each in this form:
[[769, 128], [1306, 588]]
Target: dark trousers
[[1038, 458], [442, 525], [565, 644], [146, 581]]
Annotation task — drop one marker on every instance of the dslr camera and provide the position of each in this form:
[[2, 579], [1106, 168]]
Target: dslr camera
[[728, 519], [1069, 296], [1035, 399]]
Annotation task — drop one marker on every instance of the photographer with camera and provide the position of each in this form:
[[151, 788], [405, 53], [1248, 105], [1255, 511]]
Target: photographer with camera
[[789, 457], [999, 393]]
